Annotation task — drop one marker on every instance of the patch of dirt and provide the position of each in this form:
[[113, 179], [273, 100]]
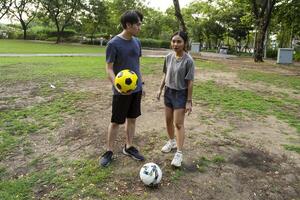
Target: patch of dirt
[[231, 79]]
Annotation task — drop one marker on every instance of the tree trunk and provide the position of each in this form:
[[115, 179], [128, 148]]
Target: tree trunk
[[58, 39], [263, 18], [259, 47], [24, 27], [178, 15], [25, 34]]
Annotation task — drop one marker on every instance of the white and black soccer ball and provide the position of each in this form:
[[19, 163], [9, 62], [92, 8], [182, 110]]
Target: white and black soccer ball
[[150, 174]]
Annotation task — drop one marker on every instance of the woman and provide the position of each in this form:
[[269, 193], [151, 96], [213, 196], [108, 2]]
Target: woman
[[178, 83]]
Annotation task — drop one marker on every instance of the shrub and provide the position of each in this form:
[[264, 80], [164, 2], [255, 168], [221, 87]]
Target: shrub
[[297, 56], [153, 43], [65, 34], [93, 42], [272, 53]]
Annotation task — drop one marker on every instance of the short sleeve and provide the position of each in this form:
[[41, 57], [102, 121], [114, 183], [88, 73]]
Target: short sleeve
[[190, 70], [111, 53], [140, 45], [165, 66]]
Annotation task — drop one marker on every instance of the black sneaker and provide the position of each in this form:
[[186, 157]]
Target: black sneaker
[[133, 152], [106, 158]]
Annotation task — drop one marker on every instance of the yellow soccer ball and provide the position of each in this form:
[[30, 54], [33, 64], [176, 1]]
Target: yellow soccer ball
[[126, 81]]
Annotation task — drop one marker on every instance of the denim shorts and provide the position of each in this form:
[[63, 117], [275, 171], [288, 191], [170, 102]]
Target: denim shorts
[[175, 99]]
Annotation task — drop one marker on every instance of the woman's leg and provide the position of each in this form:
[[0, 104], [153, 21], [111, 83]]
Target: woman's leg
[[169, 122], [179, 127]]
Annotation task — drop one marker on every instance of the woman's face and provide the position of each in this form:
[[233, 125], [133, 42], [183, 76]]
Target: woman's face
[[177, 43]]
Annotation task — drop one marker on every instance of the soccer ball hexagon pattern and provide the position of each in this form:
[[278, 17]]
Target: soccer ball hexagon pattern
[[150, 174], [126, 81]]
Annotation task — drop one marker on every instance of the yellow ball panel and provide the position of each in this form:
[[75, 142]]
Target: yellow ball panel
[[126, 81]]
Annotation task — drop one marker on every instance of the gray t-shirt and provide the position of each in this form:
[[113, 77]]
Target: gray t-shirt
[[178, 71]]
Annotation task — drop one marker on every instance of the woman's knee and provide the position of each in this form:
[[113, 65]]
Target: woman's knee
[[178, 125]]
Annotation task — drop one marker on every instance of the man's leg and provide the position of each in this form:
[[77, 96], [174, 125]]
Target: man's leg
[[130, 131], [133, 112], [113, 129], [119, 110], [129, 149]]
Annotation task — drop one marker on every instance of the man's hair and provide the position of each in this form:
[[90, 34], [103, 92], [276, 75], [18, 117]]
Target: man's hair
[[132, 17]]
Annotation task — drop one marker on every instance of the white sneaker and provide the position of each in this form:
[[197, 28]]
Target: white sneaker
[[171, 144], [177, 160]]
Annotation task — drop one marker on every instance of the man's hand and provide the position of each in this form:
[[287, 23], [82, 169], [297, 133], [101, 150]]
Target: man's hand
[[143, 93]]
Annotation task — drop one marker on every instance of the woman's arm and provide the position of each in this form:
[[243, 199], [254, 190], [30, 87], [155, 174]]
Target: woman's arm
[[161, 87], [189, 101]]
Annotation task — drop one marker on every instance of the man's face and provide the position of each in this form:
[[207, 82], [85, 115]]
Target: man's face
[[134, 29]]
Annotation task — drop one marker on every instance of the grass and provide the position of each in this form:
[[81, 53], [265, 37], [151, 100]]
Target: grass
[[52, 69], [236, 101], [29, 47], [292, 148], [176, 175], [17, 123], [203, 163], [62, 180], [278, 80], [56, 178], [209, 65]]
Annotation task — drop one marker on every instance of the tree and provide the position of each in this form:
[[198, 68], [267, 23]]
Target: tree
[[235, 20], [287, 19], [25, 11], [62, 12], [117, 8], [262, 12], [179, 16], [94, 19], [150, 23], [4, 7]]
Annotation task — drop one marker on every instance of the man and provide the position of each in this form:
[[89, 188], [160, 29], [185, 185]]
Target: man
[[124, 52]]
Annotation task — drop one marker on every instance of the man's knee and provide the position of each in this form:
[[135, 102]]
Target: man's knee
[[114, 125], [131, 120]]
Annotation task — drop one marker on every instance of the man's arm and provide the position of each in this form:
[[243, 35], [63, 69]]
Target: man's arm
[[110, 73]]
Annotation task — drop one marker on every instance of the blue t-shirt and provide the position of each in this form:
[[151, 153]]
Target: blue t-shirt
[[125, 54]]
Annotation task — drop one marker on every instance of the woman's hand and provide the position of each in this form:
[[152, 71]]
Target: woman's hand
[[188, 107], [158, 94]]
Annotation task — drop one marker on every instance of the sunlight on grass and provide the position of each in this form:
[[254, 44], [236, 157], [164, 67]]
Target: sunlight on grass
[[59, 68], [27, 47], [50, 68]]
